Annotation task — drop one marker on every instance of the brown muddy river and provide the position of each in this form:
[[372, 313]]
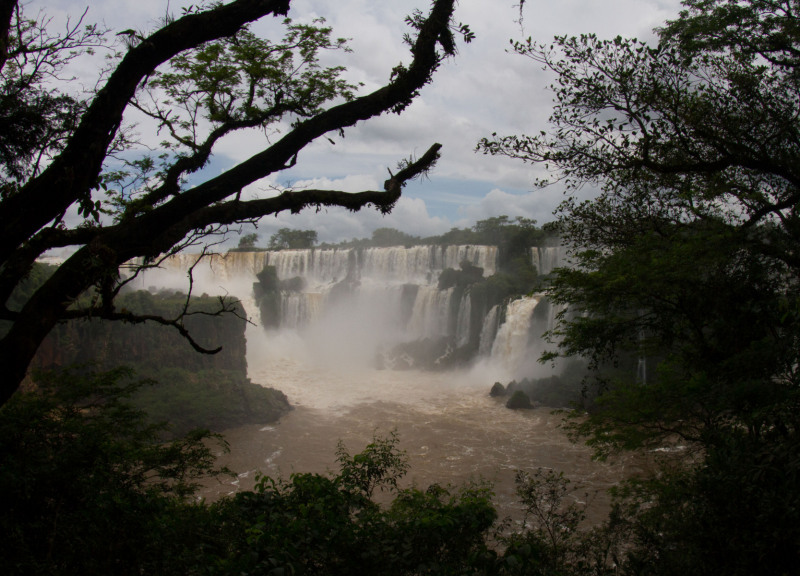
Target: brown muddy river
[[450, 428]]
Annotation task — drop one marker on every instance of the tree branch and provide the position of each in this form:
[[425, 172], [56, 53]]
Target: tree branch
[[6, 14], [74, 172]]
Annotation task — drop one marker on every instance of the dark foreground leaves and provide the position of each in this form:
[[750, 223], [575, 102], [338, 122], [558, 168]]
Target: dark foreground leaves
[[89, 487]]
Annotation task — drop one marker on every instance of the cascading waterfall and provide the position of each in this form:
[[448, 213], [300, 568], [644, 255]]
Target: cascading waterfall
[[511, 343], [433, 314], [430, 315], [378, 298], [547, 258], [488, 331], [298, 310], [463, 321], [317, 266], [338, 308]]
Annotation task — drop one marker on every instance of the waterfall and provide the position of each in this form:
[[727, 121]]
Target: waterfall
[[488, 331], [298, 310], [511, 343], [481, 256], [430, 315], [375, 271], [317, 266], [546, 258], [382, 301], [463, 321], [421, 264]]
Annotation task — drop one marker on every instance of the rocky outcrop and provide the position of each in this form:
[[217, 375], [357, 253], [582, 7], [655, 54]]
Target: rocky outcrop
[[108, 344], [192, 389], [497, 390], [519, 401]]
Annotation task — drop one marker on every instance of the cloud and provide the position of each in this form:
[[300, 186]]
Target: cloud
[[484, 89], [350, 183], [537, 205]]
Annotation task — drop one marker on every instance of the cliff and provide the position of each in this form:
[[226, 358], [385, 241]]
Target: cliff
[[192, 389]]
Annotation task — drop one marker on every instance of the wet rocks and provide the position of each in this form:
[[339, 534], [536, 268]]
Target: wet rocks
[[497, 390], [519, 401]]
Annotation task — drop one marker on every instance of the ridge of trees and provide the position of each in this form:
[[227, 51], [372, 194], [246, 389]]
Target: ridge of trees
[[493, 231]]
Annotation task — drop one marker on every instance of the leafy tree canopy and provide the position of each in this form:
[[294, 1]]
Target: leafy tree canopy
[[83, 470], [688, 251], [286, 238], [519, 234], [392, 237], [684, 295], [248, 241]]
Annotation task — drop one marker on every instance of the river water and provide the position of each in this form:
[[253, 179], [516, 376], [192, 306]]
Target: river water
[[449, 426]]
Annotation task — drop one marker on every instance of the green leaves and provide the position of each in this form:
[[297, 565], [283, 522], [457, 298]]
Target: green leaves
[[312, 524], [248, 79], [380, 466], [82, 469], [685, 271], [286, 238], [239, 82]]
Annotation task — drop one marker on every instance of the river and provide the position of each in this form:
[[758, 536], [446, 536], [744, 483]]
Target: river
[[449, 426]]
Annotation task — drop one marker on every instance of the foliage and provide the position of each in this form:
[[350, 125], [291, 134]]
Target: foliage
[[504, 285], [208, 391], [212, 399], [467, 275], [266, 293], [27, 286], [552, 540], [35, 118], [519, 400], [201, 77], [513, 237], [392, 237], [380, 465], [248, 241], [687, 268], [564, 390], [686, 254], [91, 490], [286, 238], [89, 487], [736, 513], [545, 546], [313, 524]]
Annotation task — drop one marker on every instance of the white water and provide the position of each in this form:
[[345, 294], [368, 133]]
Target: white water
[[510, 347], [371, 316], [546, 258]]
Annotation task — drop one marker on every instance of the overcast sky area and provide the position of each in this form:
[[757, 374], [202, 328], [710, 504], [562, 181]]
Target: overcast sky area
[[484, 89]]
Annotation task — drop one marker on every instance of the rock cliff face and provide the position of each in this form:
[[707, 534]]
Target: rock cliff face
[[113, 343], [193, 389]]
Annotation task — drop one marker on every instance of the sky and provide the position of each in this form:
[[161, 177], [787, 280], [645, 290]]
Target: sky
[[484, 89]]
